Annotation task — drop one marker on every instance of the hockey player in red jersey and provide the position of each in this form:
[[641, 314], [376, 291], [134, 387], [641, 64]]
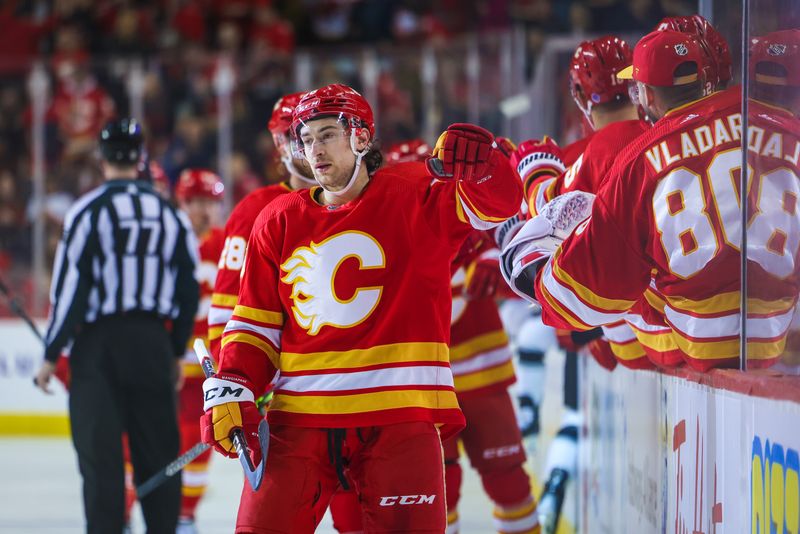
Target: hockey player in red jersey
[[240, 222], [482, 366], [773, 117], [345, 292], [199, 193], [605, 100], [669, 208]]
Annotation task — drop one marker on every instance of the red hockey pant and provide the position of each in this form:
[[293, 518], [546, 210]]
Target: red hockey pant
[[397, 471], [493, 444]]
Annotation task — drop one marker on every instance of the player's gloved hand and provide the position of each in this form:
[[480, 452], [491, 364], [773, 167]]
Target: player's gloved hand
[[483, 276], [463, 153], [534, 159], [229, 405], [539, 238]]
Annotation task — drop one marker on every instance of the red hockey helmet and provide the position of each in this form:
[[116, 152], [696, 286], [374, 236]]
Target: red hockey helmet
[[194, 183], [405, 151], [281, 118], [335, 100], [593, 72], [717, 64], [719, 49], [775, 58]]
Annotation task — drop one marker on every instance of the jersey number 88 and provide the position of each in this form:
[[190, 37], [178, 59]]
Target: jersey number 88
[[682, 216]]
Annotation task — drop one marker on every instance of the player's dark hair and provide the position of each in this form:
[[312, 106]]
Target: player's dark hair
[[679, 95], [374, 158]]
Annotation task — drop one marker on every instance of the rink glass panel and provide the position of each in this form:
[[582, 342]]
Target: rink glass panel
[[772, 211]]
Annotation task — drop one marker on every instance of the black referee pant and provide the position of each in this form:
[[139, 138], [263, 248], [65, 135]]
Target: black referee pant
[[122, 381]]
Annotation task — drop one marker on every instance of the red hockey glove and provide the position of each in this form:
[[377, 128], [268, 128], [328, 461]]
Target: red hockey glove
[[534, 159], [462, 153], [229, 405], [483, 276]]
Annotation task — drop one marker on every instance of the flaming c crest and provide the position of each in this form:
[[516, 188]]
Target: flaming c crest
[[312, 273]]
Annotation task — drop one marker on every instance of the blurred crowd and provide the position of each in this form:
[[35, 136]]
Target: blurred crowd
[[90, 48]]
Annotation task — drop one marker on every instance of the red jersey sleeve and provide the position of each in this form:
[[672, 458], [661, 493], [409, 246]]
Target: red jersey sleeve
[[598, 273], [251, 341], [231, 259], [458, 207]]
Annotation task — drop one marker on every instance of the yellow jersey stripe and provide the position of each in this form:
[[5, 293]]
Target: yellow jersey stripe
[[711, 350], [262, 316], [587, 295], [381, 354], [482, 216], [484, 377], [478, 344], [224, 300], [730, 301], [257, 342], [663, 342], [519, 513], [364, 402], [556, 305], [215, 332], [460, 210], [628, 351]]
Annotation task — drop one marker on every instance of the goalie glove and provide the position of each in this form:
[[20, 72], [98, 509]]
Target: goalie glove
[[534, 159], [539, 238], [463, 153], [229, 405]]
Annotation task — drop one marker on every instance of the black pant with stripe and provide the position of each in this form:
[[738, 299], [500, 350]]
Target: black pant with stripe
[[122, 381]]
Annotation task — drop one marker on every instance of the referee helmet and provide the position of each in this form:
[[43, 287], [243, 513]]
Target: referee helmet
[[121, 142]]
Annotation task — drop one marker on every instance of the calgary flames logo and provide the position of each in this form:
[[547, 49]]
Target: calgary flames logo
[[312, 272]]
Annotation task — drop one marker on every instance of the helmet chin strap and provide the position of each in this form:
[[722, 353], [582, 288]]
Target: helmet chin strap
[[359, 156], [289, 164], [587, 112]]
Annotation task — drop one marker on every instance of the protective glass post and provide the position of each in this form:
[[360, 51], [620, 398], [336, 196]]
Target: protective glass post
[[770, 207]]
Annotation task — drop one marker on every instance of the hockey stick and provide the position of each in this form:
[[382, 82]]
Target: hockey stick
[[17, 309], [172, 468], [254, 474]]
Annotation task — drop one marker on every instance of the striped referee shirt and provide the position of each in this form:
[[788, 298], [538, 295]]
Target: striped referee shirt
[[124, 249]]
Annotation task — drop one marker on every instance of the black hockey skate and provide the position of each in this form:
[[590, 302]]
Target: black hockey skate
[[549, 509]]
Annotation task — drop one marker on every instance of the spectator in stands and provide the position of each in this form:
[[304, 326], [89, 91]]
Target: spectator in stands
[[80, 106], [270, 32]]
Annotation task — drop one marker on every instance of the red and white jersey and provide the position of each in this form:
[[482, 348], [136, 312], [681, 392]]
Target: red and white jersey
[[480, 357], [591, 167], [351, 304], [587, 173], [237, 232], [206, 273], [670, 212]]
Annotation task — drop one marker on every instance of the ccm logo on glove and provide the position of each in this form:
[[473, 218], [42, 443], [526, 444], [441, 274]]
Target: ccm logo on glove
[[225, 393], [218, 391], [407, 499]]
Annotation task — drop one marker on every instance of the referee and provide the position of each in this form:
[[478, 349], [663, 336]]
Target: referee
[[124, 269]]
